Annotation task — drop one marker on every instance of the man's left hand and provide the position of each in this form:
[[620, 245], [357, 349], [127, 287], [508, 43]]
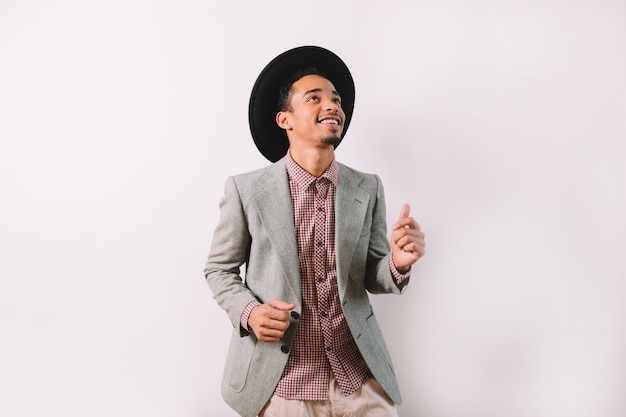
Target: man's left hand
[[407, 241]]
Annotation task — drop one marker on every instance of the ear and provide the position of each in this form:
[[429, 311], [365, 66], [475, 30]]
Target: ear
[[282, 119]]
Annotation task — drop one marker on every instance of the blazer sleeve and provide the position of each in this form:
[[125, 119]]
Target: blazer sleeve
[[378, 277], [230, 249]]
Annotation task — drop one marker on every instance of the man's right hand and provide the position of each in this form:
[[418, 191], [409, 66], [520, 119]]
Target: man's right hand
[[270, 320]]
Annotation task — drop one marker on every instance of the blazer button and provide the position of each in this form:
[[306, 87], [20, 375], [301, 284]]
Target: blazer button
[[295, 315], [284, 349]]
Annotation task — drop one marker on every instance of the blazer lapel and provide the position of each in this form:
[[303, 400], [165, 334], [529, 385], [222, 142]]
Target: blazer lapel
[[351, 207], [273, 203]]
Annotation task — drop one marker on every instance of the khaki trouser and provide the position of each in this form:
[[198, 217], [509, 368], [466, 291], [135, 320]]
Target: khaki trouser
[[369, 401]]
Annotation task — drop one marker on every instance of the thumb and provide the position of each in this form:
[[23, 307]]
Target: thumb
[[281, 305], [405, 211]]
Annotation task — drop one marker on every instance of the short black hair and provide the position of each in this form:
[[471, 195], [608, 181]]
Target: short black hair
[[284, 94]]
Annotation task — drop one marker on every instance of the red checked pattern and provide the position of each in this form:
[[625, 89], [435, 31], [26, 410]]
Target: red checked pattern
[[323, 340]]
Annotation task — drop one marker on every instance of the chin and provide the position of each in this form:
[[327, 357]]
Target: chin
[[334, 140]]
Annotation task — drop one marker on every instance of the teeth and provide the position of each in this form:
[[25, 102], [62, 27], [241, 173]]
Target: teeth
[[333, 121]]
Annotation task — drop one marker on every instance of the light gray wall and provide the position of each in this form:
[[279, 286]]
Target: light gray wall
[[501, 122]]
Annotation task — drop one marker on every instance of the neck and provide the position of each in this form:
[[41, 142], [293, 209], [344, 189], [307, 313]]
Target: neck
[[314, 161]]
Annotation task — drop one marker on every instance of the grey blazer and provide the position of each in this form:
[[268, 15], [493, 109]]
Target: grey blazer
[[256, 228]]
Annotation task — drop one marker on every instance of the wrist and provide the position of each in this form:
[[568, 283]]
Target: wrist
[[245, 315]]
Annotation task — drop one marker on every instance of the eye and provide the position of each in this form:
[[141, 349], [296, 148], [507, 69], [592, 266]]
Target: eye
[[313, 98], [337, 101]]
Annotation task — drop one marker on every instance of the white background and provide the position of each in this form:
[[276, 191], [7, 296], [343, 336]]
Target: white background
[[503, 123]]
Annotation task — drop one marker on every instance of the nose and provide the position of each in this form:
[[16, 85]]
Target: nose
[[331, 105]]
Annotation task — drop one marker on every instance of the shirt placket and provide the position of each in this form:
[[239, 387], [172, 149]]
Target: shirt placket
[[322, 285]]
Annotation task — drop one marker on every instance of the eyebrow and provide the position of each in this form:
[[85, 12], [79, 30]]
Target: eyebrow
[[319, 90]]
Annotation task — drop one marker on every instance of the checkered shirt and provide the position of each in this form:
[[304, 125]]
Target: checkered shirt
[[323, 340]]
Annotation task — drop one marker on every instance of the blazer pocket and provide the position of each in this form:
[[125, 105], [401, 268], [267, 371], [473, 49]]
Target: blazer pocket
[[238, 361]]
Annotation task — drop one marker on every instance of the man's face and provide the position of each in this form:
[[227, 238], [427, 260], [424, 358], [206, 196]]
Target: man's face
[[315, 114]]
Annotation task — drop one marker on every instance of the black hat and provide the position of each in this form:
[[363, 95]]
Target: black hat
[[270, 138]]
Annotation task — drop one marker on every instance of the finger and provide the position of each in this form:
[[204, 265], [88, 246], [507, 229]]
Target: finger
[[282, 305], [265, 335], [406, 223], [276, 325], [405, 243], [401, 236], [270, 326], [410, 232], [414, 247], [404, 238], [405, 211], [398, 234]]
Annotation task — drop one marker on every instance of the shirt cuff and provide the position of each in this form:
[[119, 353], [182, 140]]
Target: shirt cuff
[[399, 278], [246, 314]]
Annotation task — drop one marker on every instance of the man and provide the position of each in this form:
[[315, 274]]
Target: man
[[312, 235]]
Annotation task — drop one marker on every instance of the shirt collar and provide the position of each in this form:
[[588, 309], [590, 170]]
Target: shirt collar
[[303, 178]]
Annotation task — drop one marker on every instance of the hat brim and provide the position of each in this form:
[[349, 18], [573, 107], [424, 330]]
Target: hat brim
[[271, 139]]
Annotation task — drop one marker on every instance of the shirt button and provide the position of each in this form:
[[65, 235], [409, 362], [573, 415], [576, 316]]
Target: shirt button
[[295, 315], [320, 280], [284, 349], [320, 209], [328, 349], [323, 314], [319, 243]]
